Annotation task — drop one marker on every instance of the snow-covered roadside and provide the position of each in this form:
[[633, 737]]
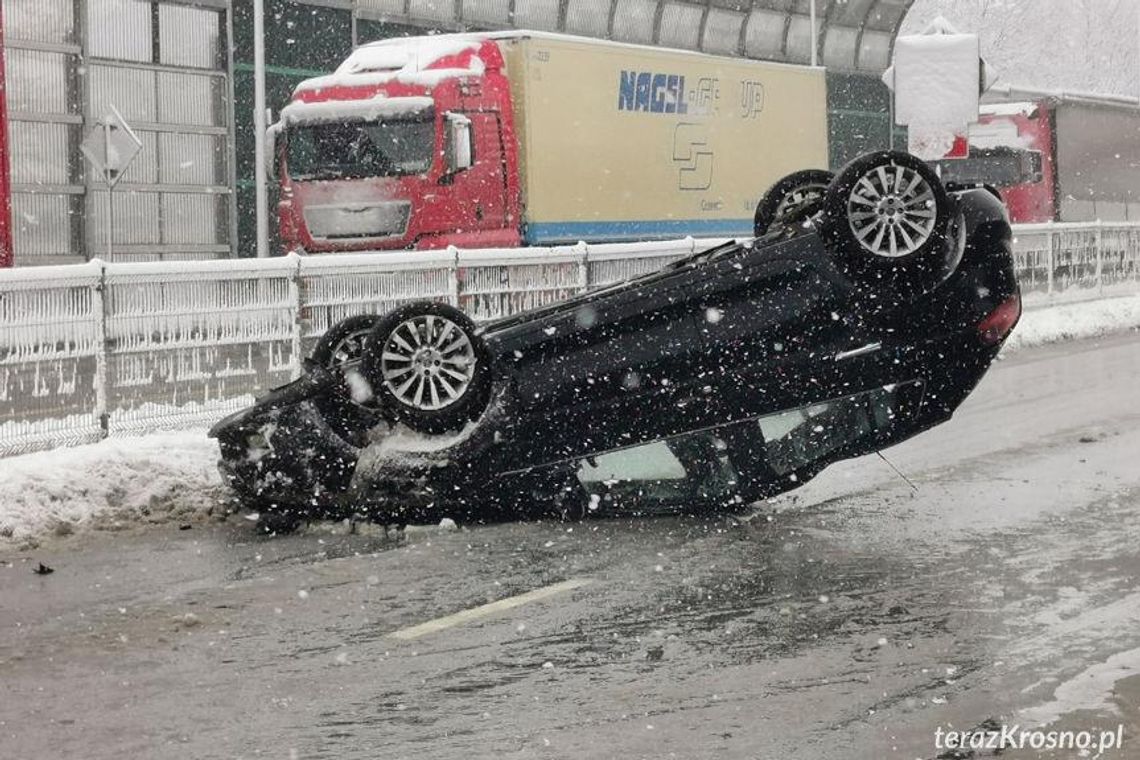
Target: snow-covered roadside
[[1073, 321], [173, 476], [121, 481]]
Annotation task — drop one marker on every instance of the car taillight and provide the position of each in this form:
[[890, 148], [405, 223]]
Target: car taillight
[[998, 323]]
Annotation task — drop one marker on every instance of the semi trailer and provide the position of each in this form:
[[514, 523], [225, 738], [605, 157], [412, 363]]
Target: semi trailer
[[525, 138]]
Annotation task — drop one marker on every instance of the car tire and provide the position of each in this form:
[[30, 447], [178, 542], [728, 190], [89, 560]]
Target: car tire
[[888, 221], [429, 367], [351, 418], [344, 341], [795, 194]]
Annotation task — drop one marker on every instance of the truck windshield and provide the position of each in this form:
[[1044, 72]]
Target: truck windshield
[[361, 149]]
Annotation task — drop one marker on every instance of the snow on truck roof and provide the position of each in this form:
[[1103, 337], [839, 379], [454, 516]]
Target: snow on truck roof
[[477, 38], [1022, 108], [1014, 95], [369, 109], [410, 60]]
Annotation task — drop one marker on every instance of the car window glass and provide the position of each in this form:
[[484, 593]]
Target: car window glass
[[653, 461]]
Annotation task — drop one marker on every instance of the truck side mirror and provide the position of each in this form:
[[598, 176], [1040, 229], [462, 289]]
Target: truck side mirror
[[457, 148], [1032, 169], [270, 167]]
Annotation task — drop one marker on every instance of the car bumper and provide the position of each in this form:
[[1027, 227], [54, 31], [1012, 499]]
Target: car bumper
[[285, 457]]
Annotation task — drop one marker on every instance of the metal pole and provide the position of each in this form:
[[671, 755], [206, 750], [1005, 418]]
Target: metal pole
[[296, 300], [891, 120], [110, 220], [1099, 256], [455, 287], [7, 255], [814, 35], [110, 190], [1051, 261], [259, 128], [99, 307]]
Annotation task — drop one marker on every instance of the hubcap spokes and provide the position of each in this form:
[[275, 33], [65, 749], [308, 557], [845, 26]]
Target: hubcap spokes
[[349, 350], [891, 211], [798, 198], [347, 354], [428, 362]]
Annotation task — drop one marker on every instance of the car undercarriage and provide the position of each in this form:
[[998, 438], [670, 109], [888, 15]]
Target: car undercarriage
[[864, 311]]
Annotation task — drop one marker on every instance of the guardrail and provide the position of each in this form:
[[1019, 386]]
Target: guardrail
[[96, 350]]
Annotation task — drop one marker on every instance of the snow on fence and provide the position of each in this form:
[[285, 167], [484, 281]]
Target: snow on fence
[[1076, 259], [97, 350]]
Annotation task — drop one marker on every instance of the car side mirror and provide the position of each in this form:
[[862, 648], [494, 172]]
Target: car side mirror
[[458, 154]]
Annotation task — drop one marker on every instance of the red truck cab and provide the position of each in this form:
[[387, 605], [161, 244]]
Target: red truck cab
[[403, 147], [1011, 148], [1057, 157]]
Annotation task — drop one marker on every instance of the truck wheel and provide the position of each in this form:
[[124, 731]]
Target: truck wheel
[[429, 367], [794, 193], [886, 218]]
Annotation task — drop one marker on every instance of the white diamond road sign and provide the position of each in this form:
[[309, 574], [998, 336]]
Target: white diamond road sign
[[111, 147]]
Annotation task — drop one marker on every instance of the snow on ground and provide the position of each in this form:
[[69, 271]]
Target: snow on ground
[[1074, 321], [1092, 689], [173, 476], [120, 481]]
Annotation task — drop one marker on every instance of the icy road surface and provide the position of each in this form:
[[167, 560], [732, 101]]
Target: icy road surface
[[851, 619]]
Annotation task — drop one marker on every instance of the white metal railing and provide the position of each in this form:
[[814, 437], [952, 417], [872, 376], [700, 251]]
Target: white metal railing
[[95, 350], [1076, 259]]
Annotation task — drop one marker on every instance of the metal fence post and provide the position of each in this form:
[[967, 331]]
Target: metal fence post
[[1099, 256], [297, 305], [99, 306], [454, 285], [1050, 260], [1133, 254], [584, 269]]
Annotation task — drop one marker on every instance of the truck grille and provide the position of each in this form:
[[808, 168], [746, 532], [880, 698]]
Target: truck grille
[[358, 220]]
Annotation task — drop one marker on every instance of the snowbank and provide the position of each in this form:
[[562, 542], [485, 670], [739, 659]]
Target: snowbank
[[1073, 321], [154, 478]]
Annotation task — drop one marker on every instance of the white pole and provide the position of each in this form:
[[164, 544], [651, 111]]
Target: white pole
[[108, 176], [814, 35], [259, 128]]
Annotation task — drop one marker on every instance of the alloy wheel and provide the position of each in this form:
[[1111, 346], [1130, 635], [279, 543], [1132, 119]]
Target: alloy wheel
[[892, 211], [428, 362]]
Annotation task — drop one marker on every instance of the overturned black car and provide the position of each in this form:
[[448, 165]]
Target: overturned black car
[[865, 310]]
